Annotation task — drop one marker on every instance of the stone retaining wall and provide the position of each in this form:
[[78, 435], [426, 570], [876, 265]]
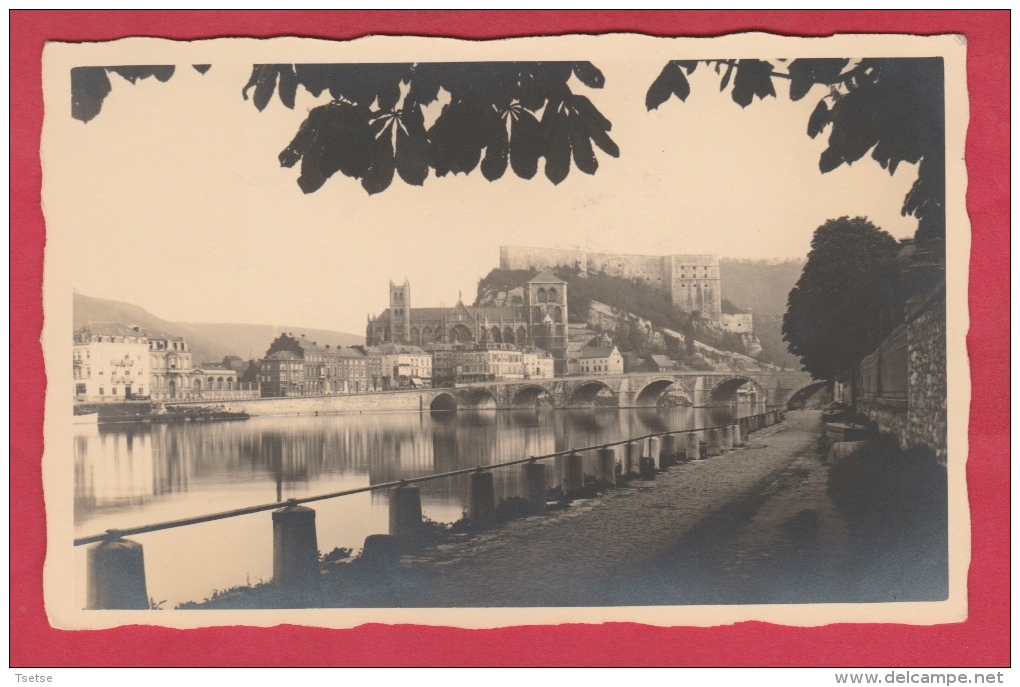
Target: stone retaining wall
[[923, 422], [326, 405]]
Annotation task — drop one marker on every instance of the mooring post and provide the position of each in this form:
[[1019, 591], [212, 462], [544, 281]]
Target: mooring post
[[482, 499], [738, 436], [115, 577], [714, 442], [769, 418], [405, 511], [693, 446], [295, 549], [534, 485], [667, 451], [631, 457], [726, 438], [573, 473], [655, 451], [646, 467], [606, 466]]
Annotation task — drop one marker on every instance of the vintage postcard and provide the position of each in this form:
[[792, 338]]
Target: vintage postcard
[[529, 331]]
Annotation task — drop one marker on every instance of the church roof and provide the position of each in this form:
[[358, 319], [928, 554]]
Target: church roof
[[546, 277], [495, 313]]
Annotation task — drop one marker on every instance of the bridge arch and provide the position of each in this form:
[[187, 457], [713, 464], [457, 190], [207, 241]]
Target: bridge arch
[[479, 398], [653, 389], [800, 397], [443, 403], [527, 396], [725, 390], [589, 390]]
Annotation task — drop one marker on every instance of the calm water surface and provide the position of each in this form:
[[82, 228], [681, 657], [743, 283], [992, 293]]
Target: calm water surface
[[126, 476]]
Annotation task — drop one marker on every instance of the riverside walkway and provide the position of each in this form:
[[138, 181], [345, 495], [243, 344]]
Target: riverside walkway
[[754, 525]]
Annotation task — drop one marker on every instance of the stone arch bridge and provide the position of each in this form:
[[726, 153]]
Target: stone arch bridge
[[698, 389]]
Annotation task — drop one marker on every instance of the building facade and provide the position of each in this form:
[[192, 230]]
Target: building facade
[[541, 321], [171, 367], [111, 362], [403, 366], [490, 362], [282, 373], [599, 360], [212, 380], [310, 369], [538, 364]]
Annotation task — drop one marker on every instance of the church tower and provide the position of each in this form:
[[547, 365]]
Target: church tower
[[400, 311], [546, 299]]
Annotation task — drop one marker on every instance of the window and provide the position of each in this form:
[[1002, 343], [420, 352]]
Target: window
[[79, 390], [100, 391]]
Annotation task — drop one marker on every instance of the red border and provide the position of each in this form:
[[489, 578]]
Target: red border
[[983, 640]]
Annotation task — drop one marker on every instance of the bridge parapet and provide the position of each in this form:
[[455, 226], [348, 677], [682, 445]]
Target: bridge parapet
[[701, 389]]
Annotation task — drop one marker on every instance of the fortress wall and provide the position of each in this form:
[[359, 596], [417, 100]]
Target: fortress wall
[[524, 258], [692, 281], [651, 270]]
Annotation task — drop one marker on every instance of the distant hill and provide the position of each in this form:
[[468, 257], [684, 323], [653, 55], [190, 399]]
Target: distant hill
[[209, 342], [759, 285], [252, 340]]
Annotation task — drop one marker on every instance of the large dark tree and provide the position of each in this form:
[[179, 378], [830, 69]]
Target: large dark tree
[[894, 108], [845, 301]]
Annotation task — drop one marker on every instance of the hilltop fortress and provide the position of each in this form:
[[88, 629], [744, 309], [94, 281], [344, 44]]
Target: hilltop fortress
[[692, 281]]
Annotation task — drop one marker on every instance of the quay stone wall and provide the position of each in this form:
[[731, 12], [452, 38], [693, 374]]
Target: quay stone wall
[[923, 422], [927, 419], [326, 405]]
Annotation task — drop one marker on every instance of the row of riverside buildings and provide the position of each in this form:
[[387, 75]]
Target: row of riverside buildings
[[406, 348], [117, 362]]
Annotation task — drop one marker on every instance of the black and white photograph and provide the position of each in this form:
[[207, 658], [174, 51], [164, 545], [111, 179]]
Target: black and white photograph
[[580, 328]]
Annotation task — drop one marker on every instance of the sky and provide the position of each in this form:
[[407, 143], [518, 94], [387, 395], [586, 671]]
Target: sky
[[175, 200]]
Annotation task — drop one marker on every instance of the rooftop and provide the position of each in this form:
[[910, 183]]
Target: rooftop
[[595, 352]]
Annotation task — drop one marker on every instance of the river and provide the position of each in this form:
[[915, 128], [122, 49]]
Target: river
[[131, 475]]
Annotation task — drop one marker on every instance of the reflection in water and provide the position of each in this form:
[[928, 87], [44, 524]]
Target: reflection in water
[[132, 475]]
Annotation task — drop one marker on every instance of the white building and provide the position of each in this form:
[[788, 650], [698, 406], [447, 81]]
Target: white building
[[538, 364], [600, 360], [111, 363], [404, 366], [489, 362], [738, 323]]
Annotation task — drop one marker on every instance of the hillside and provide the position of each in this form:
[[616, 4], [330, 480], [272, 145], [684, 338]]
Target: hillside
[[252, 340], [209, 341], [765, 291], [759, 285], [581, 291]]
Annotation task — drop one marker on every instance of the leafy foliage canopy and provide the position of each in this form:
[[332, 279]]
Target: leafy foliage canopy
[[499, 115], [894, 108]]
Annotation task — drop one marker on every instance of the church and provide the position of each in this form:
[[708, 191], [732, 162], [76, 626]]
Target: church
[[539, 321]]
